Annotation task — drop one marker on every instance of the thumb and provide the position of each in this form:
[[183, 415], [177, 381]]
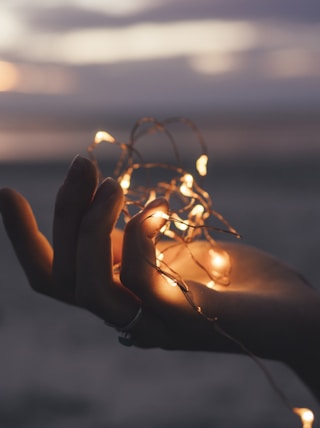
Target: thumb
[[139, 268]]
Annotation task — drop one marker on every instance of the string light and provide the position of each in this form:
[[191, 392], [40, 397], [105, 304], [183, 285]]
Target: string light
[[190, 205], [202, 164], [306, 415], [188, 218]]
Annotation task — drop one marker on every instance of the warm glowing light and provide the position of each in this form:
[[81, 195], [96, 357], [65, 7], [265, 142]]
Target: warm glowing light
[[188, 180], [186, 186], [159, 257], [169, 233], [103, 136], [185, 190], [306, 416], [197, 211], [125, 181], [163, 229], [201, 165], [214, 268], [191, 206], [164, 216], [217, 260], [160, 214], [220, 264], [170, 281], [9, 76], [178, 222], [210, 284]]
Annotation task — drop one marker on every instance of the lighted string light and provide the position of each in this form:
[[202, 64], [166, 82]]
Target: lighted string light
[[190, 205], [188, 218], [306, 415]]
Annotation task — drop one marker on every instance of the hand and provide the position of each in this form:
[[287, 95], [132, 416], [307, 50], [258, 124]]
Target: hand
[[267, 308]]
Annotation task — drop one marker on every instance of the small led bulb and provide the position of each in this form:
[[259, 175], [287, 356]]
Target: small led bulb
[[179, 222], [171, 281], [220, 265], [186, 186], [160, 214], [197, 211], [125, 181], [103, 136], [201, 165], [306, 416]]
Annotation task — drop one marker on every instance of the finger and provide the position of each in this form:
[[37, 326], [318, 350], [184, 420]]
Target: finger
[[31, 247], [139, 270], [72, 200], [97, 289]]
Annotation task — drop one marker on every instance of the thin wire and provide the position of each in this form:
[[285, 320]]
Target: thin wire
[[138, 196], [257, 361]]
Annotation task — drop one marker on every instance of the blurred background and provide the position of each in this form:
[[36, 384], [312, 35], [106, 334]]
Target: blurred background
[[75, 65], [248, 74]]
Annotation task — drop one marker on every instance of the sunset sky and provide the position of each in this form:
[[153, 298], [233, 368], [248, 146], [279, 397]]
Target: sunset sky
[[180, 56]]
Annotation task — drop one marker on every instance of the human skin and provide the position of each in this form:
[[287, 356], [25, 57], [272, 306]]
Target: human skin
[[267, 309]]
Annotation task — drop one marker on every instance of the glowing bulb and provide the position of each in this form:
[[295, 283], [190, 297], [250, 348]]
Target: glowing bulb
[[220, 264], [217, 261], [201, 165], [197, 211], [125, 181], [185, 190], [210, 284], [169, 234], [186, 186], [188, 180], [179, 223], [170, 281], [306, 416], [160, 214], [103, 136], [159, 257], [163, 229]]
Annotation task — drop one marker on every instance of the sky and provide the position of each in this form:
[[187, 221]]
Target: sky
[[60, 57]]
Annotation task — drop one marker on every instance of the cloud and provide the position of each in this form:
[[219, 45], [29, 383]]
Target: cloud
[[69, 17], [287, 10], [66, 17], [60, 17], [122, 59], [150, 41]]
